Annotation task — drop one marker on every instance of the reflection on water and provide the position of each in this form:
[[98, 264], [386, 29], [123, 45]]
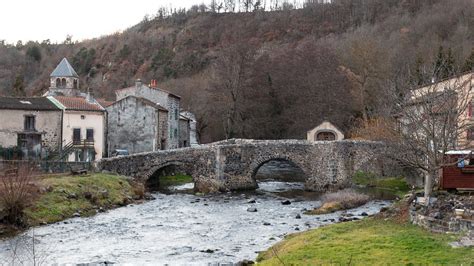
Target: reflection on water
[[182, 228]]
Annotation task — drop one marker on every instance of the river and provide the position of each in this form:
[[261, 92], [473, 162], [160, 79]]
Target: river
[[179, 229]]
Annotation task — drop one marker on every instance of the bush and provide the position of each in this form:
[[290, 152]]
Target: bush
[[340, 200], [17, 191]]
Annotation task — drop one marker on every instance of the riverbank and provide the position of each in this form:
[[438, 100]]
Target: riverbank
[[61, 197], [387, 239]]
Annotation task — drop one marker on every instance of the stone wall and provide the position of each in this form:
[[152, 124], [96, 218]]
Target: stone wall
[[133, 125], [232, 164], [163, 98]]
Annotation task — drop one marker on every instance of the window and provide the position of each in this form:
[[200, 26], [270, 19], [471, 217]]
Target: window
[[58, 82], [176, 115], [63, 82], [175, 133], [76, 135], [75, 84], [83, 117], [90, 134], [29, 123]]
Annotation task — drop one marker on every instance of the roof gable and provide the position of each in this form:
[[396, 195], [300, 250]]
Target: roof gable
[[64, 69]]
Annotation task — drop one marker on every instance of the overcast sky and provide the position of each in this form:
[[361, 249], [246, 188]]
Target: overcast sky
[[83, 19]]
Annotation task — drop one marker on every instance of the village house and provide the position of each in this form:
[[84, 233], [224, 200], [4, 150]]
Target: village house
[[84, 119], [463, 85], [193, 139], [137, 125], [31, 124], [165, 99], [184, 131]]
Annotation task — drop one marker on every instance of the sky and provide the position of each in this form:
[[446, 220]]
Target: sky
[[39, 20]]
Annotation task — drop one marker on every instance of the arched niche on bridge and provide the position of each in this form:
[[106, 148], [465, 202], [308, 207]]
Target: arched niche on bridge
[[278, 168], [152, 179]]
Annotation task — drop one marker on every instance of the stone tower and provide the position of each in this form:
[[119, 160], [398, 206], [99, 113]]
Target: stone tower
[[64, 80]]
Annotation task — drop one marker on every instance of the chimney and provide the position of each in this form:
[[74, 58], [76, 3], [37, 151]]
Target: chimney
[[138, 83], [153, 84], [89, 96]]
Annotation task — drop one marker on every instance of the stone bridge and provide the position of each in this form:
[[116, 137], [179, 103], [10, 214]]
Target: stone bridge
[[232, 164]]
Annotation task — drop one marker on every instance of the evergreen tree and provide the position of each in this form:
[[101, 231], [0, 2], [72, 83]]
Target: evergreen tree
[[19, 87], [469, 64]]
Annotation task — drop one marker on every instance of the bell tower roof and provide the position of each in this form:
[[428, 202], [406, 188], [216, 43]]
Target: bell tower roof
[[64, 69]]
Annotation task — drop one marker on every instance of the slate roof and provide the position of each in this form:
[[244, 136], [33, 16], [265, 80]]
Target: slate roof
[[151, 88], [27, 103], [78, 104], [64, 69]]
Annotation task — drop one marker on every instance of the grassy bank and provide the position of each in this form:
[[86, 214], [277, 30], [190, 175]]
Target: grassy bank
[[63, 197], [340, 200], [367, 242], [175, 180], [396, 185]]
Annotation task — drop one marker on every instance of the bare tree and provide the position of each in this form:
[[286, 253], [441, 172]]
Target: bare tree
[[433, 120]]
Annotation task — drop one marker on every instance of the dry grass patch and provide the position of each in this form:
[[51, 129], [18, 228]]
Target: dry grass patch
[[340, 200]]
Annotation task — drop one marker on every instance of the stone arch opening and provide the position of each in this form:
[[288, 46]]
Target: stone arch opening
[[325, 135], [58, 82], [159, 178], [278, 169], [63, 82]]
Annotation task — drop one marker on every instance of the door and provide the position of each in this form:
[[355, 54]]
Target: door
[[76, 136]]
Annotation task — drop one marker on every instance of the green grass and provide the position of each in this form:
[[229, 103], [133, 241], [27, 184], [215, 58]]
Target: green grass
[[396, 185], [367, 242], [56, 203], [175, 180]]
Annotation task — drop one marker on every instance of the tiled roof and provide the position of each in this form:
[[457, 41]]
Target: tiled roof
[[78, 104], [64, 69], [27, 103], [104, 103]]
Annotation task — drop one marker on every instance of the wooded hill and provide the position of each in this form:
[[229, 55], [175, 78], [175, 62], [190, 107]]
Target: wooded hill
[[266, 74]]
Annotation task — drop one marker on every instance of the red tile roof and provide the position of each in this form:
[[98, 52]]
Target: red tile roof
[[79, 104], [104, 103]]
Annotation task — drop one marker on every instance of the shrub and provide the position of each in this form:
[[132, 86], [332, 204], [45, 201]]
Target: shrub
[[17, 191]]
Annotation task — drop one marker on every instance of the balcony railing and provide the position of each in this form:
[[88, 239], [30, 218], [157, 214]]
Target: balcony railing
[[83, 143]]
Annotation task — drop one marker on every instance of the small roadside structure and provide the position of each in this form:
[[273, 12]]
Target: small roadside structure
[[326, 131], [459, 174]]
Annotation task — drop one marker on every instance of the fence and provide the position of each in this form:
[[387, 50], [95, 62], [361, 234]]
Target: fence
[[47, 166]]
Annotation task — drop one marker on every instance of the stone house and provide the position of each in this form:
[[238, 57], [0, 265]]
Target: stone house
[[193, 139], [32, 124], [326, 131], [137, 125], [463, 85], [84, 119], [184, 129], [165, 99]]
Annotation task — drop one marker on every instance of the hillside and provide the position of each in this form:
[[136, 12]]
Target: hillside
[[266, 74]]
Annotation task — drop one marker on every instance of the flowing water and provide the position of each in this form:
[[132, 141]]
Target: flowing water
[[179, 229]]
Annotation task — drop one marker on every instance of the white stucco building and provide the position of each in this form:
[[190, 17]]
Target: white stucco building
[[326, 131]]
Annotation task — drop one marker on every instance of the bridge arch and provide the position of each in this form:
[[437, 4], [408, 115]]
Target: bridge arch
[[151, 178], [254, 167]]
